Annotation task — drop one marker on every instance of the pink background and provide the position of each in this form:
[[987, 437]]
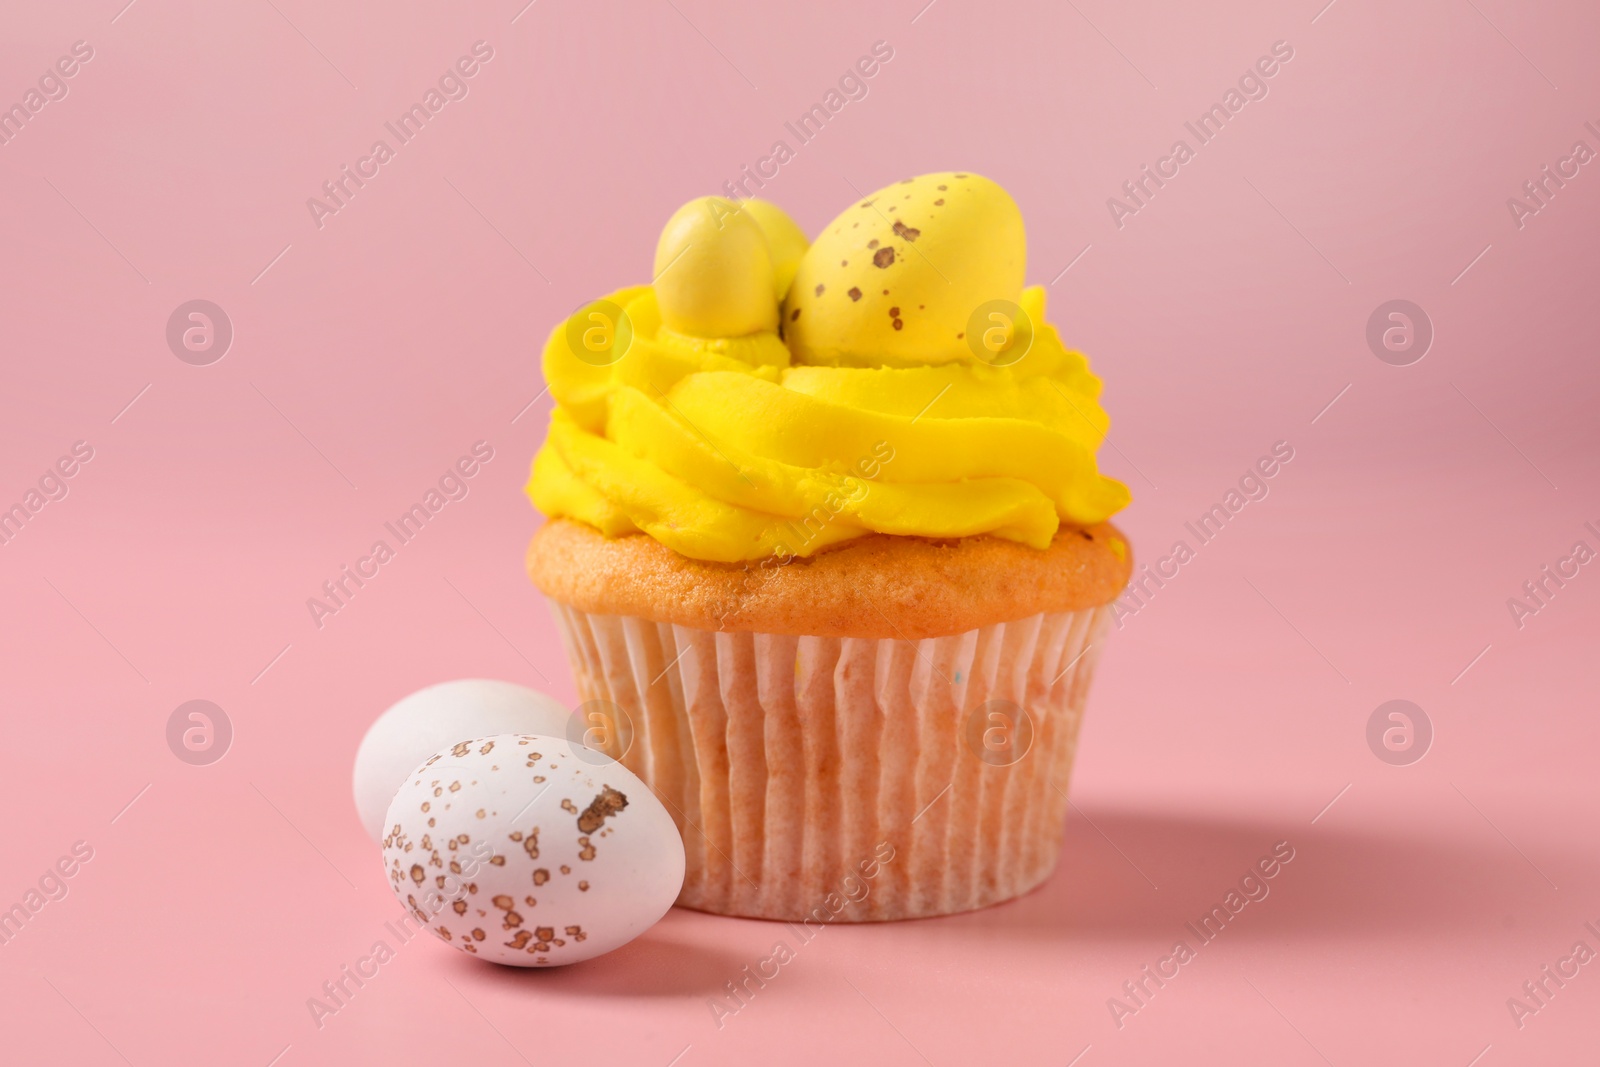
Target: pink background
[[1224, 316]]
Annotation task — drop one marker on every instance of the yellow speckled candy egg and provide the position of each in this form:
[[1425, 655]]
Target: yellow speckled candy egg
[[897, 277], [530, 851]]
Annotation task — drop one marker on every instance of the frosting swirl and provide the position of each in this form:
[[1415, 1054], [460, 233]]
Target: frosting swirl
[[724, 449]]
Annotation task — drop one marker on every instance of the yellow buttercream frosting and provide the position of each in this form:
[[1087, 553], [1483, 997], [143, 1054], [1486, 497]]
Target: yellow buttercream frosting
[[735, 448]]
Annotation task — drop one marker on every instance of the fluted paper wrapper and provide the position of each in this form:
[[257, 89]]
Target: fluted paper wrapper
[[848, 779]]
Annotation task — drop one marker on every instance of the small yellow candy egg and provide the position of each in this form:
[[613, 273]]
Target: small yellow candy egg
[[714, 275], [785, 240], [902, 275]]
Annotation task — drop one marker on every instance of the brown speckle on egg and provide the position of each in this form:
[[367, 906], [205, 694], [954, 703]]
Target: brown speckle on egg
[[565, 869], [607, 802], [478, 934], [883, 257], [872, 243], [541, 876], [586, 852], [854, 293], [908, 232], [488, 746], [819, 290], [898, 324], [795, 314], [939, 202], [568, 805], [442, 932], [460, 907], [461, 749], [583, 887], [894, 313], [497, 861], [417, 873]]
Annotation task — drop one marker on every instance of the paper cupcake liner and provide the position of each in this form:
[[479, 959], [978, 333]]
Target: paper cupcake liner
[[846, 779]]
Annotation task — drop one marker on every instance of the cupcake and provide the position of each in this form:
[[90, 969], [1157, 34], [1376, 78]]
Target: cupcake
[[829, 548]]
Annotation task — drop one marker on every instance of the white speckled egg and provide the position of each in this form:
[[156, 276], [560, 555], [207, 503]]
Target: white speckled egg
[[430, 719], [531, 851]]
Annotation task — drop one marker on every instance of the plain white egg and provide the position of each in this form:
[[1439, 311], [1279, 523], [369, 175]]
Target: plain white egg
[[531, 851], [434, 718]]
